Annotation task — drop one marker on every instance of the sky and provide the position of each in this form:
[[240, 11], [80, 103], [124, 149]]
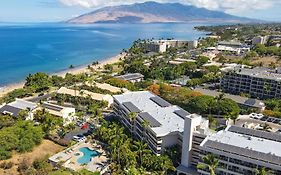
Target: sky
[[60, 10]]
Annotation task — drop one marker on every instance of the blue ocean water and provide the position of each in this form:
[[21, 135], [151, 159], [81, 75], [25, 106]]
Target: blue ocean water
[[49, 48]]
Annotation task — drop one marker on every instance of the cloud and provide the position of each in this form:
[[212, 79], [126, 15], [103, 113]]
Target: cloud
[[231, 6]]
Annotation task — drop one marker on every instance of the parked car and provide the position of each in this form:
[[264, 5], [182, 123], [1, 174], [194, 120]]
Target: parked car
[[79, 138], [256, 116]]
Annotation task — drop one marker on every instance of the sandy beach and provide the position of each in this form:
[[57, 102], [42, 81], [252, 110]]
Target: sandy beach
[[77, 70]]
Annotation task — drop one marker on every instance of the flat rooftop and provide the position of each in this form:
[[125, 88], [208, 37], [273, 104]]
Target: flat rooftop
[[15, 107], [233, 43], [53, 107], [260, 72], [163, 117], [130, 76], [236, 140], [22, 104]]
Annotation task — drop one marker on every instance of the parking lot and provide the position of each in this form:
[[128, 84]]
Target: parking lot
[[78, 131], [274, 123]]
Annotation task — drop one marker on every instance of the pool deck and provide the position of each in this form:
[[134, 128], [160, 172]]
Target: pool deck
[[69, 157]]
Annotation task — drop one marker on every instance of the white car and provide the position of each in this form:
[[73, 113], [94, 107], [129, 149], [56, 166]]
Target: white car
[[79, 139], [256, 116]]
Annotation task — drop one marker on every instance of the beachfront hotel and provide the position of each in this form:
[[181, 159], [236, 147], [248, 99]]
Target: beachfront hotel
[[258, 82], [165, 122], [243, 151], [161, 46]]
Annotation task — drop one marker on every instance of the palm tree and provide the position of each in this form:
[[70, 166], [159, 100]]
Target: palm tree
[[262, 171], [165, 164], [145, 125], [210, 163], [117, 139], [141, 148], [232, 116], [218, 99], [132, 117]]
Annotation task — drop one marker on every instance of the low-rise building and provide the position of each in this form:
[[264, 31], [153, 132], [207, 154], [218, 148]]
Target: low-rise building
[[258, 82], [132, 77], [157, 122], [66, 113], [179, 61], [85, 93], [231, 47], [243, 151], [14, 108]]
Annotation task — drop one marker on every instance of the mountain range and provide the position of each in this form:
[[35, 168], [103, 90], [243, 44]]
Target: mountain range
[[153, 12]]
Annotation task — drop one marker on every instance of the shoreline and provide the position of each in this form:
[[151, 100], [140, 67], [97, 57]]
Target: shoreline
[[76, 70]]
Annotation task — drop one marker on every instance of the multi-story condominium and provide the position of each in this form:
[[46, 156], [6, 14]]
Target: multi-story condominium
[[259, 82], [196, 129], [243, 151], [156, 121], [260, 40], [162, 45]]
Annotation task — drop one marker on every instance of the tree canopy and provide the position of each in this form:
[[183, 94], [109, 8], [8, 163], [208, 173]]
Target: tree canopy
[[22, 137]]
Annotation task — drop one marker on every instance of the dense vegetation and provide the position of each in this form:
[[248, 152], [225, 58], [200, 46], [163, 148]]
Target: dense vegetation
[[21, 137], [273, 108], [242, 31], [263, 50], [157, 67], [195, 102], [41, 82], [120, 83], [130, 156]]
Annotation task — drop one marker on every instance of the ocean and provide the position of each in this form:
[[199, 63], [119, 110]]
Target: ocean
[[50, 48]]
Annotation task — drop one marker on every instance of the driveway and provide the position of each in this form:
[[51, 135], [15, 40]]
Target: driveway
[[77, 131]]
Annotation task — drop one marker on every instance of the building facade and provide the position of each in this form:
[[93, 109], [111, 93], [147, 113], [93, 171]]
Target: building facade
[[157, 122], [260, 40], [66, 113], [14, 108], [243, 151], [260, 83], [162, 45], [196, 130], [230, 47]]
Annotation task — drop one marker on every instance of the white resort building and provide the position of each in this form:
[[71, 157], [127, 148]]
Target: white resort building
[[243, 151], [161, 46], [67, 113], [165, 122]]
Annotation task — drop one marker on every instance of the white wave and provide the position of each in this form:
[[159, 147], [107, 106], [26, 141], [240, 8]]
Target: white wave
[[104, 33]]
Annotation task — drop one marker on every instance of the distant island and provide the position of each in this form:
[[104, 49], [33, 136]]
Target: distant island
[[153, 12]]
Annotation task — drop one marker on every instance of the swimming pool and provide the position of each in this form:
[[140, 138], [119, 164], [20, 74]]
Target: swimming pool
[[87, 155]]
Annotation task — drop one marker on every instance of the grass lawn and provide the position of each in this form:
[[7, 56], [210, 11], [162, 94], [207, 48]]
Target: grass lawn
[[47, 147]]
